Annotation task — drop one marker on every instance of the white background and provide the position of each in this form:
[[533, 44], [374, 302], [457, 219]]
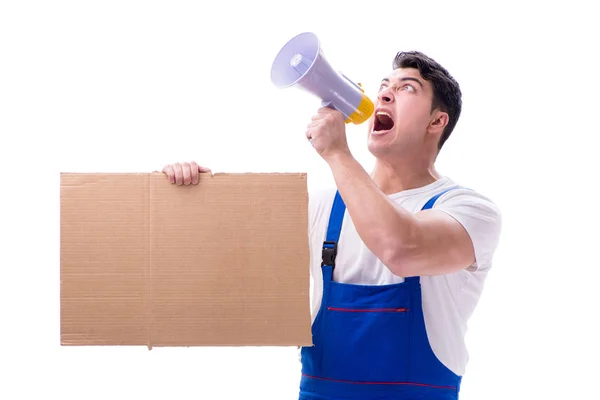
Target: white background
[[119, 86]]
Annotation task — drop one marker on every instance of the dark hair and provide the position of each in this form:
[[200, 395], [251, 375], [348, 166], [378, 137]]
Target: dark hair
[[446, 91]]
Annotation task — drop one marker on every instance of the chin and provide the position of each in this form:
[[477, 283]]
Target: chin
[[378, 149], [385, 146], [381, 139]]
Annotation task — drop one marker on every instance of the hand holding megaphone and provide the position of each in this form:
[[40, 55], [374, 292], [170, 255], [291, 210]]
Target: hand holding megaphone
[[301, 63], [327, 133]]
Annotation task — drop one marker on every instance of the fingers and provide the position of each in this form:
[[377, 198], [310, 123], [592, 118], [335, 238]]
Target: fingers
[[324, 111], [316, 121], [168, 170], [193, 173], [178, 173], [328, 114], [188, 173], [184, 173]]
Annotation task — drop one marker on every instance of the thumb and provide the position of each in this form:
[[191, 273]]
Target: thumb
[[199, 168]]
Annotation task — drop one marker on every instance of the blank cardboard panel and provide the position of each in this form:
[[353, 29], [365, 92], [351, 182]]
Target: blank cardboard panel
[[221, 263]]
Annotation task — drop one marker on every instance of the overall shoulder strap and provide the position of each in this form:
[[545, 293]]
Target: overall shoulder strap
[[333, 235], [432, 200]]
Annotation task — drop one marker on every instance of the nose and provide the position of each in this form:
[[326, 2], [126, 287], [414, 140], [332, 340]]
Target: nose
[[384, 96]]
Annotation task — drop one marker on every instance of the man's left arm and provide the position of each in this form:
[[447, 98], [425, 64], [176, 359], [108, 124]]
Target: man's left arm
[[430, 242]]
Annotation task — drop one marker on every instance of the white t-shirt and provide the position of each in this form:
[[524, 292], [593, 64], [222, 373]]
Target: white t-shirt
[[448, 300]]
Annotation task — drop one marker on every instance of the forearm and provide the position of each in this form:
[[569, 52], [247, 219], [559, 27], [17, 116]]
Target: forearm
[[385, 230]]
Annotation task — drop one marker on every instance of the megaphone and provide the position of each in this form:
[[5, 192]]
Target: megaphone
[[301, 63]]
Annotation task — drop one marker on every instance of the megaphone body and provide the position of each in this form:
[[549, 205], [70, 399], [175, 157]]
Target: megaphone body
[[301, 63]]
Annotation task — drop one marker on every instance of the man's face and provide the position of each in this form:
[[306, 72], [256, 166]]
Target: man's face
[[402, 113]]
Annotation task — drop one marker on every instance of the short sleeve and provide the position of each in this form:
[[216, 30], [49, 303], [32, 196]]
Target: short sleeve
[[480, 217], [319, 206]]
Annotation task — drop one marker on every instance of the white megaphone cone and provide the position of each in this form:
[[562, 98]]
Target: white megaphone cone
[[301, 63]]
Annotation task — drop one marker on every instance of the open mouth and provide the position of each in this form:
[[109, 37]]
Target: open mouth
[[383, 122]]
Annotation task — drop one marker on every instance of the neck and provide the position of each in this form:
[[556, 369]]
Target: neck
[[398, 176]]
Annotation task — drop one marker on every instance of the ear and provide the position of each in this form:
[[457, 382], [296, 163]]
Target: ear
[[438, 122]]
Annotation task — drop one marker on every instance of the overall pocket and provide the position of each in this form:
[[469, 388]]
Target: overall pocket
[[366, 344]]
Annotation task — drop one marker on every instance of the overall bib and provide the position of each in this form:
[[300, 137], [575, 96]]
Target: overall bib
[[370, 341]]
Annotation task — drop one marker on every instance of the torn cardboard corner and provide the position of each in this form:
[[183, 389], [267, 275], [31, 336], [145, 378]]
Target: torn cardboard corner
[[147, 262]]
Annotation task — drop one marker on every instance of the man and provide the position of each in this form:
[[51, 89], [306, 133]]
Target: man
[[398, 257]]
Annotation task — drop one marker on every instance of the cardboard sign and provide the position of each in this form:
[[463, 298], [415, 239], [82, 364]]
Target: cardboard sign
[[221, 263]]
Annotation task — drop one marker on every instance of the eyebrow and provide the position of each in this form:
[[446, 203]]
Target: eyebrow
[[406, 78]]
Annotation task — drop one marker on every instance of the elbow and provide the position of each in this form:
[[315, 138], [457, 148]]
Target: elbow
[[400, 251], [401, 258], [400, 261]]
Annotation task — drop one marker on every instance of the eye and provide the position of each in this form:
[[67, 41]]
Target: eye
[[408, 88]]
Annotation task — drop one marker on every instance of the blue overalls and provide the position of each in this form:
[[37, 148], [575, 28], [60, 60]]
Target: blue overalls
[[369, 341]]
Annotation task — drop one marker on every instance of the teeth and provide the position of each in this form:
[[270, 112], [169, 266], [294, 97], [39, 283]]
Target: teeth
[[383, 113]]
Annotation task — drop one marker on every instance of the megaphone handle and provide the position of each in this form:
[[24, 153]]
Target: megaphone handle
[[325, 103]]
